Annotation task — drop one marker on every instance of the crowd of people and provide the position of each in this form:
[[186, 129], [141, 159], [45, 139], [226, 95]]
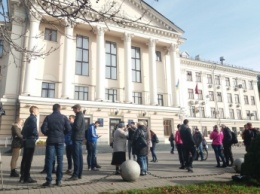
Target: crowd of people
[[71, 131]]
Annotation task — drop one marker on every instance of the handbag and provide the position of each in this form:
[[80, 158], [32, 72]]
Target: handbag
[[29, 143]]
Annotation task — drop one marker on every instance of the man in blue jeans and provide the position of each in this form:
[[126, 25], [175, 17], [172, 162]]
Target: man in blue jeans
[[77, 136], [54, 127], [92, 145]]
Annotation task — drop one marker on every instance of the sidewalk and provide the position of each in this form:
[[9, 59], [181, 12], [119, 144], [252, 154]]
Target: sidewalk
[[165, 172]]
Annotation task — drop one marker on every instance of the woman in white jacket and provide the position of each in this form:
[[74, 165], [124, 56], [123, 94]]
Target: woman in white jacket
[[119, 146]]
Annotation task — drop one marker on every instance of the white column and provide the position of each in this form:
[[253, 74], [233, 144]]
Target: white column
[[67, 89], [175, 72], [32, 64], [128, 69], [241, 104], [11, 88], [256, 95], [224, 97], [153, 72], [205, 93], [101, 67]]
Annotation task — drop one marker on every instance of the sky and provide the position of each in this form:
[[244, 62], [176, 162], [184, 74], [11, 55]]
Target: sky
[[228, 28]]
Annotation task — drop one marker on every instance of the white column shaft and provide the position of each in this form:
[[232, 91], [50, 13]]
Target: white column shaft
[[100, 76], [67, 91], [257, 102], [153, 73], [224, 98], [206, 93], [128, 69]]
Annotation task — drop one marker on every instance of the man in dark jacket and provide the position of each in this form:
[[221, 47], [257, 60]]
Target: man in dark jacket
[[30, 135], [77, 136], [188, 144], [249, 135], [131, 131], [197, 136], [68, 143], [55, 126], [227, 143]]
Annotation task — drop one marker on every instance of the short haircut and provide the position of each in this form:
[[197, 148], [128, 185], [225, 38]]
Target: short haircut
[[32, 109], [178, 126], [186, 121], [97, 122], [56, 107]]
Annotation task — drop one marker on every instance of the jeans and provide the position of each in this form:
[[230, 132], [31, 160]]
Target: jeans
[[77, 158], [142, 161], [152, 149], [26, 163], [51, 149], [218, 154], [188, 153], [69, 156], [200, 152], [180, 153], [92, 146]]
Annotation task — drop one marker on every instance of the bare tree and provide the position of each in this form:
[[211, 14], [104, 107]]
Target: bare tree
[[71, 11]]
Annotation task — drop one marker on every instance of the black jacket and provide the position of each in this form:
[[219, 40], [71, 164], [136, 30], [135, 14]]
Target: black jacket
[[248, 135], [197, 138], [227, 136], [29, 130], [186, 136], [55, 126], [141, 131], [78, 127]]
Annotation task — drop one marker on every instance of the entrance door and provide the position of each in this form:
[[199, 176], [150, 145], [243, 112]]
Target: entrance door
[[112, 125]]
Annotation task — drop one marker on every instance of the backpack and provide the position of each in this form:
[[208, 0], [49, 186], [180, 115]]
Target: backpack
[[234, 138]]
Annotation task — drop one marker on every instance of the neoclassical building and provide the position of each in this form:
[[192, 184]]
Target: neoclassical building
[[120, 73]]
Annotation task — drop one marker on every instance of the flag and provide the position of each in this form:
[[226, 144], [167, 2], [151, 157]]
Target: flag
[[177, 84], [196, 89]]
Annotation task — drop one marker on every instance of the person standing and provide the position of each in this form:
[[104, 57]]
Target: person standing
[[171, 140], [131, 131], [179, 146], [17, 144], [119, 147], [54, 127], [188, 144], [197, 136], [217, 137], [154, 141], [68, 143], [227, 143], [30, 135], [77, 136], [249, 135], [92, 145]]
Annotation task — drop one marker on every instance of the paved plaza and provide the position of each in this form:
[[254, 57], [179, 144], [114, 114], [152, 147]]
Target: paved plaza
[[165, 172]]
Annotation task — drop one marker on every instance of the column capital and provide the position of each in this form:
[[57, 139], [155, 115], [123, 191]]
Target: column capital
[[152, 42], [127, 37], [35, 16], [100, 30], [173, 48]]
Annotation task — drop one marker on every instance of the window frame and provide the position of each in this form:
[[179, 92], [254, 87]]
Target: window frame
[[110, 92], [211, 96], [135, 71], [111, 55], [189, 76], [227, 81], [83, 52], [84, 93], [137, 98], [190, 94], [49, 36], [160, 99], [209, 79], [198, 77], [158, 56], [246, 100], [48, 89]]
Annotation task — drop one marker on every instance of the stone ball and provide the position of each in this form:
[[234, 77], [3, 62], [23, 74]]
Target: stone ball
[[237, 164], [130, 170]]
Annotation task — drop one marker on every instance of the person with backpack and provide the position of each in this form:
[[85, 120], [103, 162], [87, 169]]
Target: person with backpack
[[154, 141], [171, 140], [227, 144]]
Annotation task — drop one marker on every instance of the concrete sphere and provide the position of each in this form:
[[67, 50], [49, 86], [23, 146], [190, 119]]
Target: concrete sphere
[[130, 170], [237, 164]]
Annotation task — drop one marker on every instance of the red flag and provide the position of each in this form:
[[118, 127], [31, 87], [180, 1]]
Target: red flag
[[196, 89]]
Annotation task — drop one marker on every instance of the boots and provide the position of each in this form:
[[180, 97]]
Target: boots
[[14, 173]]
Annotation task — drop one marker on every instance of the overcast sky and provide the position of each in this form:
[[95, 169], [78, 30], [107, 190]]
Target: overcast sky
[[229, 28]]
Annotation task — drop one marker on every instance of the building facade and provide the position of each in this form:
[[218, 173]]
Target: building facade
[[120, 73]]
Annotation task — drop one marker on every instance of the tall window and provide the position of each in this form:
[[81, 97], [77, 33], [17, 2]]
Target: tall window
[[227, 80], [136, 64], [237, 101], [221, 113], [234, 82], [255, 115], [111, 60], [192, 111], [209, 77], [229, 98], [167, 126], [202, 112], [213, 113], [231, 114], [81, 93], [48, 90], [158, 56], [198, 77], [211, 96], [239, 115], [248, 115], [111, 95], [82, 55], [160, 99], [137, 97], [191, 93], [189, 76], [1, 48], [246, 99], [50, 35], [219, 97], [252, 100], [244, 84], [250, 85], [217, 79], [200, 96]]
